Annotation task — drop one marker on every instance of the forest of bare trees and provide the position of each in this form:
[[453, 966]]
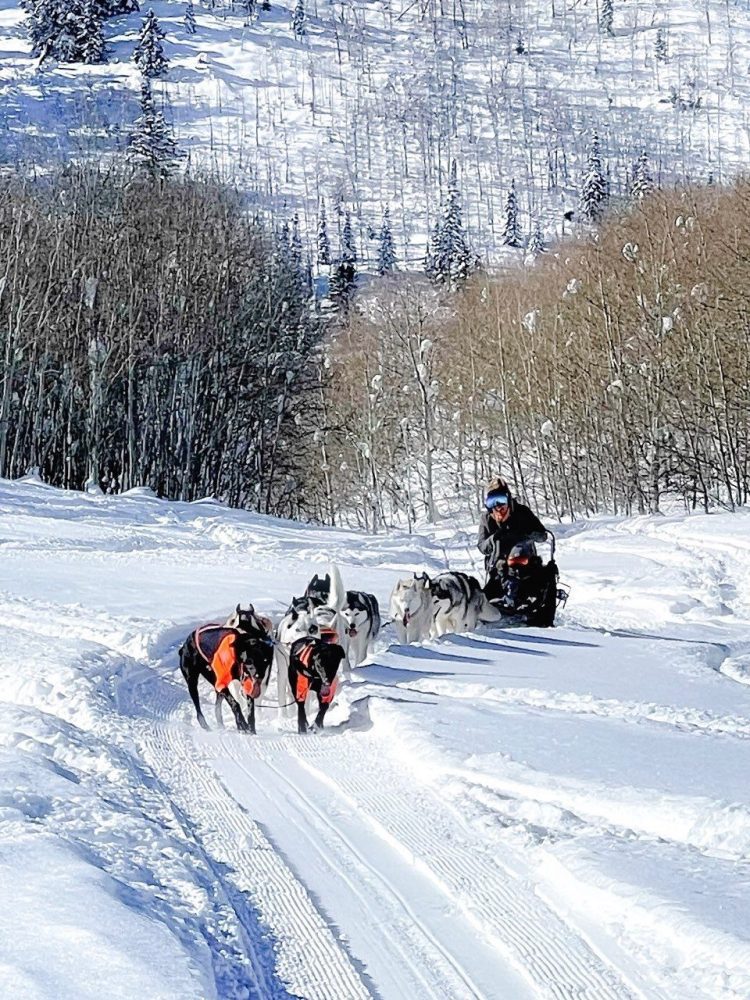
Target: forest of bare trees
[[613, 375], [152, 334]]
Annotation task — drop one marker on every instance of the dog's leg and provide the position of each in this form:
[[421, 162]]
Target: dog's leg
[[236, 710], [191, 677], [301, 717], [217, 711], [251, 720], [323, 707]]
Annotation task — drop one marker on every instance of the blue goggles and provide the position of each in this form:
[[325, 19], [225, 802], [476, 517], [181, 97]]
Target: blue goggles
[[496, 500]]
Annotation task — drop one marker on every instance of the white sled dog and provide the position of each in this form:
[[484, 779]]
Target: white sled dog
[[424, 608]]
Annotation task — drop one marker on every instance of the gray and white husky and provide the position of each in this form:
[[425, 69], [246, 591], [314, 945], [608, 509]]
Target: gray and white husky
[[358, 612], [424, 608]]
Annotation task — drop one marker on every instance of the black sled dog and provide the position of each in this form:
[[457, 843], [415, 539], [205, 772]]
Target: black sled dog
[[235, 658], [313, 665]]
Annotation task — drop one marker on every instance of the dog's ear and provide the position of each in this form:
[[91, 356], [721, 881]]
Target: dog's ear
[[237, 609]]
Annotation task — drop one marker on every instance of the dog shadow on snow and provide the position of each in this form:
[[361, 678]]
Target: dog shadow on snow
[[515, 636]]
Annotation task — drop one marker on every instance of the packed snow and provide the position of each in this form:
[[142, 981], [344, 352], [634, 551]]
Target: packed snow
[[511, 814]]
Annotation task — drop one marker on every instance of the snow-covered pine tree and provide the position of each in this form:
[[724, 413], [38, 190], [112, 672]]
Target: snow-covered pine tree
[[607, 17], [348, 246], [660, 46], [512, 230], [151, 145], [189, 19], [450, 258], [66, 31], [122, 6], [324, 244], [344, 271], [642, 183], [386, 249], [67, 46], [295, 245], [149, 52], [594, 191], [536, 244], [42, 21], [91, 33], [299, 19]]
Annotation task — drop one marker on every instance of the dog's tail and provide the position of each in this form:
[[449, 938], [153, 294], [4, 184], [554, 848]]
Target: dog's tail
[[337, 596]]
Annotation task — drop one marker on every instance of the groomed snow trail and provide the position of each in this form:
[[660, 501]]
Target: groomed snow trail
[[329, 833]]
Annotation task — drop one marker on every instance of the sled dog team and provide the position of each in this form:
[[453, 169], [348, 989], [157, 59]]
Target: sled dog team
[[327, 629]]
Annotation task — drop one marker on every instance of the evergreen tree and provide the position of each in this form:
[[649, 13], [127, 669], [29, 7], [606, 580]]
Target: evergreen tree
[[512, 231], [299, 19], [152, 146], [122, 7], [606, 17], [344, 271], [295, 245], [149, 52], [348, 247], [324, 245], [642, 183], [189, 20], [343, 282], [91, 34], [594, 184], [386, 249], [43, 20], [67, 46], [449, 257], [536, 244], [660, 46], [68, 30]]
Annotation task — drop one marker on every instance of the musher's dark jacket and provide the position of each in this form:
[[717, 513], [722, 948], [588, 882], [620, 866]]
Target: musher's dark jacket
[[496, 540]]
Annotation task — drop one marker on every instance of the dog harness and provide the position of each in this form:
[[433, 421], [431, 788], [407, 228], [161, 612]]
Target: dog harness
[[216, 644], [309, 673]]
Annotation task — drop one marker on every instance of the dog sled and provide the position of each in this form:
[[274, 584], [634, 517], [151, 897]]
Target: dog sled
[[525, 588]]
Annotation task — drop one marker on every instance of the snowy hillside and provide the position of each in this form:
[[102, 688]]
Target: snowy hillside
[[369, 106], [515, 814]]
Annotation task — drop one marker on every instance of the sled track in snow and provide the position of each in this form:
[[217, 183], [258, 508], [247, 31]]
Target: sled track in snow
[[326, 789], [502, 913], [184, 758]]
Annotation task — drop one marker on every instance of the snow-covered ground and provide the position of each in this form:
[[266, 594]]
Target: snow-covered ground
[[511, 814]]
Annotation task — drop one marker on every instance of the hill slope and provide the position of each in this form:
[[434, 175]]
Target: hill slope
[[372, 104]]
